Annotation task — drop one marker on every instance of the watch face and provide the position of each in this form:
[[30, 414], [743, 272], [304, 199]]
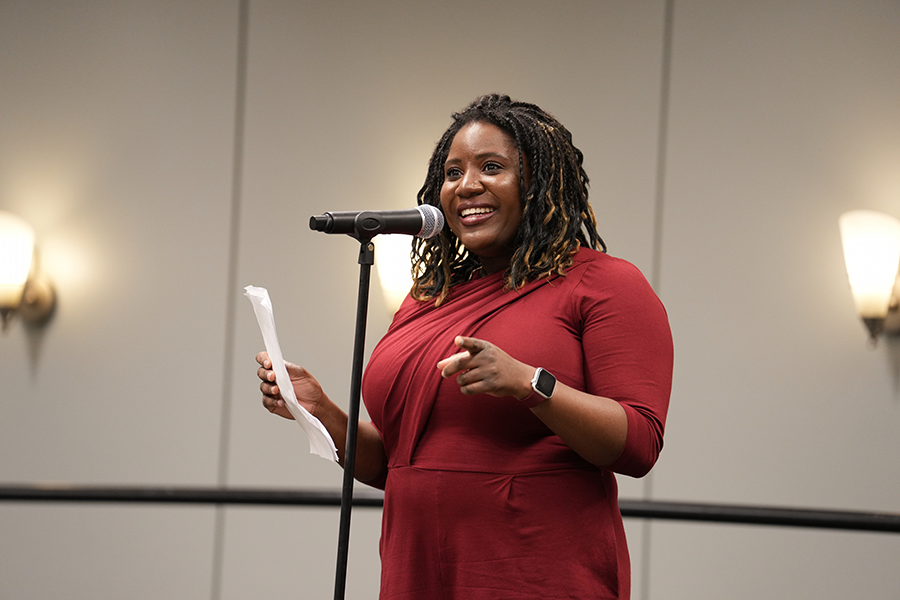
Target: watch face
[[545, 384]]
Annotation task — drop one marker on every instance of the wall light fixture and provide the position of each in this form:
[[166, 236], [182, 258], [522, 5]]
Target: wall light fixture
[[392, 261], [24, 289], [871, 243]]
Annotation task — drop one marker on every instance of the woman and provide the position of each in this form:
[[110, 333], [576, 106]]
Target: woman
[[524, 369]]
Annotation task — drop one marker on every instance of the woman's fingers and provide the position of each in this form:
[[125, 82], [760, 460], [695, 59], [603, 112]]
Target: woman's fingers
[[272, 399], [470, 344], [482, 368], [265, 374], [453, 364]]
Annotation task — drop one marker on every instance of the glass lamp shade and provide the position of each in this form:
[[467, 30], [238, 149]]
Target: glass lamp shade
[[16, 254], [871, 243], [392, 261]]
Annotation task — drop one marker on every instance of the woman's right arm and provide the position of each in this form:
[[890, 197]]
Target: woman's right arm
[[371, 460]]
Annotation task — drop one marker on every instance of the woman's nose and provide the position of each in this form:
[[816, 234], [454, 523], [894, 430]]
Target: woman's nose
[[471, 185]]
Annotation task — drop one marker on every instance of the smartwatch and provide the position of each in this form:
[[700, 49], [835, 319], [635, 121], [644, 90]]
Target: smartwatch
[[543, 383]]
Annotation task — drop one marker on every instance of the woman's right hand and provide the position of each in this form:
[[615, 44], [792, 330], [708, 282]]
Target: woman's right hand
[[308, 391], [371, 461]]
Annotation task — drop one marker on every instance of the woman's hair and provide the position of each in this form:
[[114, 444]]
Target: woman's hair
[[556, 216]]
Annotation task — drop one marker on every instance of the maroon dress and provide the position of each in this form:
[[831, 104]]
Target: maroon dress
[[482, 500]]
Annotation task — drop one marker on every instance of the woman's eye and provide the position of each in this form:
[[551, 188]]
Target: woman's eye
[[492, 167], [453, 173]]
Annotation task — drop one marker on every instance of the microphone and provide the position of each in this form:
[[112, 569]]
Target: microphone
[[424, 221]]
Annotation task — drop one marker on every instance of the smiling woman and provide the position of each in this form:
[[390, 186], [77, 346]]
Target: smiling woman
[[524, 370], [552, 187]]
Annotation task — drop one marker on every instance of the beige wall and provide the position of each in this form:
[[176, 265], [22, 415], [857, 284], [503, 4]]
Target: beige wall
[[120, 141]]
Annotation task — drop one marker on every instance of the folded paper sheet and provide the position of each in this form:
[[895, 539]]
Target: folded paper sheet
[[320, 441]]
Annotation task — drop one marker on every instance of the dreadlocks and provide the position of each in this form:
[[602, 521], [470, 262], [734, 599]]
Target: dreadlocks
[[556, 217]]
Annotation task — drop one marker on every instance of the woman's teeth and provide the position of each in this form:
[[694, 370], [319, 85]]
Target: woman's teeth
[[475, 211]]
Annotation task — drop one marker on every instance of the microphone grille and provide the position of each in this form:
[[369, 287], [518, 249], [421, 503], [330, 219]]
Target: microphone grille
[[432, 221]]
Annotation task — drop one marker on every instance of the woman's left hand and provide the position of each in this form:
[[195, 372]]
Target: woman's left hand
[[483, 368], [593, 426]]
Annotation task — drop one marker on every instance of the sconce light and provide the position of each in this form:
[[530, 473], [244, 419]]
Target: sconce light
[[871, 243], [23, 288], [392, 262]]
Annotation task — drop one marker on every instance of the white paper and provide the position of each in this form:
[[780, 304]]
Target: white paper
[[320, 441]]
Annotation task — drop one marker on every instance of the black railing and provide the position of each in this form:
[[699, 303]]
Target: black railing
[[640, 509]]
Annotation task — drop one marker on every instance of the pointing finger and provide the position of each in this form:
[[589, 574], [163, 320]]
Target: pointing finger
[[473, 345], [452, 364]]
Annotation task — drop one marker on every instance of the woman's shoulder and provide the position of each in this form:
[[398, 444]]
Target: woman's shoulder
[[593, 264], [607, 283]]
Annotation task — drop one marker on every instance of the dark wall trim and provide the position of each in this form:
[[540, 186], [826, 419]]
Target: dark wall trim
[[639, 509]]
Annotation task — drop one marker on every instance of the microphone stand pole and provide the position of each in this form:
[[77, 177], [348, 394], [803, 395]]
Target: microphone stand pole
[[366, 260]]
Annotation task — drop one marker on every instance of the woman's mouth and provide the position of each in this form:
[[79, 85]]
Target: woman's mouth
[[475, 214]]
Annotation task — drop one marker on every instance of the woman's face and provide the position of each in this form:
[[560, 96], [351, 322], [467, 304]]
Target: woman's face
[[480, 194]]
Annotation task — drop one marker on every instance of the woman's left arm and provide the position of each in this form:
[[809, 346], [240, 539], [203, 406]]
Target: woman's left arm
[[593, 426]]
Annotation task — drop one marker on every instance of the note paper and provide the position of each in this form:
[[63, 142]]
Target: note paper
[[320, 441]]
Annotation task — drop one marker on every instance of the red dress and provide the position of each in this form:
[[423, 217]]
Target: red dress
[[482, 500]]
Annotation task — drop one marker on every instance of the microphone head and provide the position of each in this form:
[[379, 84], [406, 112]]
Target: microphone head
[[432, 221]]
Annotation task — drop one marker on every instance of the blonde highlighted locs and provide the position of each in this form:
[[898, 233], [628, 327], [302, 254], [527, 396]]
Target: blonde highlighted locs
[[556, 216]]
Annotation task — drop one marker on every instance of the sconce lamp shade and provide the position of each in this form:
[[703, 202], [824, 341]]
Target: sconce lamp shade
[[871, 243], [16, 253], [392, 261]]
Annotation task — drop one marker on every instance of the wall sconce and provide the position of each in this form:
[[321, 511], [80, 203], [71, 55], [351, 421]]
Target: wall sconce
[[24, 289], [871, 243], [392, 262]]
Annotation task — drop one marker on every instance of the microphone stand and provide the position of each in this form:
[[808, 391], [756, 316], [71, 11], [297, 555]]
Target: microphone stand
[[366, 260], [363, 226]]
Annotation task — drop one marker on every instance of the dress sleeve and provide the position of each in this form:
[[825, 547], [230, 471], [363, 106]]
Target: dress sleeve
[[628, 356]]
